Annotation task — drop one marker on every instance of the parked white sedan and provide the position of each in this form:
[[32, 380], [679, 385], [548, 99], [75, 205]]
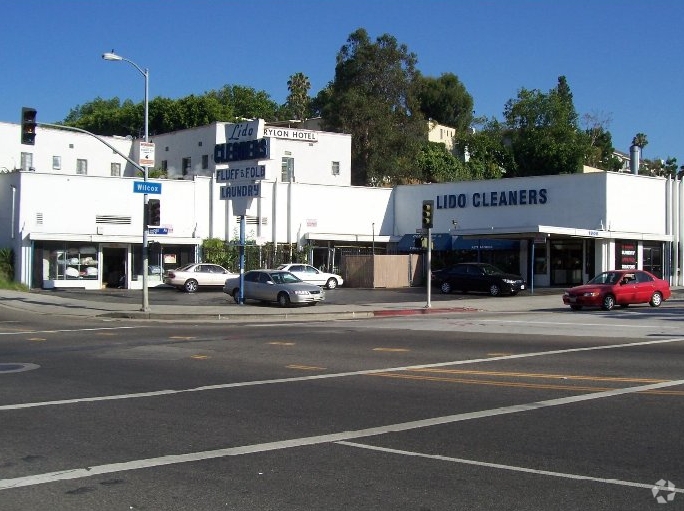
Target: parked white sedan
[[308, 273], [191, 277]]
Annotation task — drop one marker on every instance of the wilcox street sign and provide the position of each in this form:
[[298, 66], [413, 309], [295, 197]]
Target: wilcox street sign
[[146, 187]]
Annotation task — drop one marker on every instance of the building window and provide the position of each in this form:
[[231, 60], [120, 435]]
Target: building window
[[336, 168], [164, 166], [116, 170], [287, 170], [27, 162], [56, 162], [205, 161], [82, 167], [186, 165]]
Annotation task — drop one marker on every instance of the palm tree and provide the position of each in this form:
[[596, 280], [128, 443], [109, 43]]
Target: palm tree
[[640, 140], [298, 99]]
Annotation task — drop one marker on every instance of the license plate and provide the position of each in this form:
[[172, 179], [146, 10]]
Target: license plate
[[522, 287]]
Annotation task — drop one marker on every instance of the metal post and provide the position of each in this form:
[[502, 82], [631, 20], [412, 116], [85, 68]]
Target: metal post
[[145, 242], [243, 226], [429, 268]]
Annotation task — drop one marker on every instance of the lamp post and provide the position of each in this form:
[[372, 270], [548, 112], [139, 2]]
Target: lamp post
[[145, 248]]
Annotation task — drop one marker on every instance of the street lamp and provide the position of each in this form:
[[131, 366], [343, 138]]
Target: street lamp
[[145, 248]]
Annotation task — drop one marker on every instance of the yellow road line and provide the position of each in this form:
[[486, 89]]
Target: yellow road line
[[305, 368], [199, 357], [391, 349], [495, 383], [281, 343], [542, 375]]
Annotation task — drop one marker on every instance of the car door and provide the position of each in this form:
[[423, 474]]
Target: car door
[[312, 275], [251, 283], [457, 276], [644, 287], [625, 291], [212, 275], [476, 279]]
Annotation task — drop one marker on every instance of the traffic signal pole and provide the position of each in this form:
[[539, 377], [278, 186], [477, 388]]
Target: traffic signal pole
[[427, 221], [429, 267]]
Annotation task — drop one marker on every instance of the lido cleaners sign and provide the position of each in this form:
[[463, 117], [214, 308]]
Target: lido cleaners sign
[[240, 152]]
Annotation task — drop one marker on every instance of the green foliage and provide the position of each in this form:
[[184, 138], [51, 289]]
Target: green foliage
[[438, 165], [217, 251], [231, 103], [446, 100], [488, 154], [298, 100], [6, 264], [374, 98], [544, 134]]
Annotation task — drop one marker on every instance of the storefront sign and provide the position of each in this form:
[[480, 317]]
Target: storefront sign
[[239, 174], [240, 151], [291, 134], [493, 199], [241, 190]]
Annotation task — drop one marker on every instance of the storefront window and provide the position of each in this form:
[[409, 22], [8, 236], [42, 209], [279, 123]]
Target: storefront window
[[653, 258], [626, 255], [67, 261]]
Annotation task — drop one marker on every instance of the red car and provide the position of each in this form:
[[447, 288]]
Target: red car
[[618, 287]]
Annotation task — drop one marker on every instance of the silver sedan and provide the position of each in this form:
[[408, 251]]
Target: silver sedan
[[274, 286]]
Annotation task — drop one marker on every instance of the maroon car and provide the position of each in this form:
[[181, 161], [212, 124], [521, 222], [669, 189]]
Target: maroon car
[[618, 287]]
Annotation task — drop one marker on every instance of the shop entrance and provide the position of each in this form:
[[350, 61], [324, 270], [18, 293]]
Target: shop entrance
[[114, 267], [566, 262]]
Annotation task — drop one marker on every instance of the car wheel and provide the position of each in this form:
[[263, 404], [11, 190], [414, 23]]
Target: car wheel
[[283, 300], [494, 290], [331, 284], [445, 288], [576, 307], [190, 286], [656, 299], [236, 295], [608, 302]]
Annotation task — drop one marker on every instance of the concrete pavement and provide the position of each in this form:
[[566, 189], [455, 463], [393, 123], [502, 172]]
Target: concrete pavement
[[45, 302]]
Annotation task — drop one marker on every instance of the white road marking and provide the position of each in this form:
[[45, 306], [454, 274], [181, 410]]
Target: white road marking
[[222, 386], [512, 468], [173, 459]]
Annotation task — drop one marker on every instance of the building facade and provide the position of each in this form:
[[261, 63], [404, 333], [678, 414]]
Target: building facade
[[70, 211]]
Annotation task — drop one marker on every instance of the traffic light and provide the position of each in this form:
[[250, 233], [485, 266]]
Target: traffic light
[[154, 208], [28, 126], [428, 213]]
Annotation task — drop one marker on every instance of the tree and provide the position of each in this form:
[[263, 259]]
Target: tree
[[446, 100], [374, 97], [438, 165], [231, 103], [487, 151], [545, 138], [600, 150], [298, 100]]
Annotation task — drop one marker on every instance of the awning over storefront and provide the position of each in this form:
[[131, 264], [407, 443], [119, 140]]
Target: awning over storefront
[[540, 232], [445, 241]]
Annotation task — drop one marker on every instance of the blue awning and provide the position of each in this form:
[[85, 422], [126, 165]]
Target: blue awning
[[443, 241]]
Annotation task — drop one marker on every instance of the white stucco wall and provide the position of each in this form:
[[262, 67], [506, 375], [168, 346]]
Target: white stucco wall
[[582, 201], [68, 146]]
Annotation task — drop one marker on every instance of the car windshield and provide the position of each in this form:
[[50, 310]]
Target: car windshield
[[609, 277], [284, 277]]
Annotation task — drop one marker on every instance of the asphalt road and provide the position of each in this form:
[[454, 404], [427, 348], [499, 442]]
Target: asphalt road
[[469, 411]]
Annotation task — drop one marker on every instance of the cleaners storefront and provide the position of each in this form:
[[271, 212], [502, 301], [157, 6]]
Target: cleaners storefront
[[562, 229]]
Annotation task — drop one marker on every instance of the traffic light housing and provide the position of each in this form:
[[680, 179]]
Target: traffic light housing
[[154, 209], [428, 213], [28, 126]]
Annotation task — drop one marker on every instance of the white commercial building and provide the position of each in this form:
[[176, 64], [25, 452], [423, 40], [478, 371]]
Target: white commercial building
[[70, 209]]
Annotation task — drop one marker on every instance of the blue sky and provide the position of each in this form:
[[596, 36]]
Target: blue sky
[[623, 59]]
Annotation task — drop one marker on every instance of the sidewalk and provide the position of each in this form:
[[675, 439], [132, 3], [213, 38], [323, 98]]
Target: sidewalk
[[46, 303]]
